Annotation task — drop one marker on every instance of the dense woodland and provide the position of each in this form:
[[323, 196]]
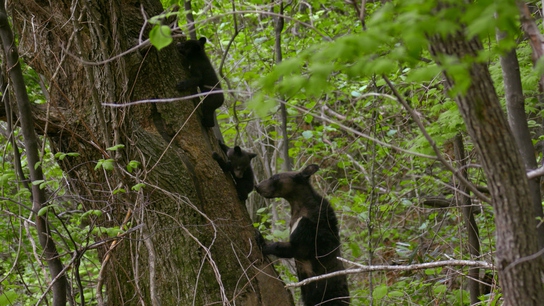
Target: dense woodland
[[424, 117]]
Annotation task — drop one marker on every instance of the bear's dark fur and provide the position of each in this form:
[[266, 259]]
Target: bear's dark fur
[[314, 241], [203, 76], [237, 164]]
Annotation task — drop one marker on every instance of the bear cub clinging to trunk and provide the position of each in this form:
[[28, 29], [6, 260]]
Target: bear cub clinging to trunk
[[202, 76], [314, 241], [238, 165]]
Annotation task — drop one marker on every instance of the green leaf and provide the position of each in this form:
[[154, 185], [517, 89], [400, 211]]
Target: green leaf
[[137, 187], [440, 289], [113, 232], [133, 164], [307, 134], [37, 182], [116, 147], [98, 164], [379, 292], [108, 164], [433, 271], [423, 74], [262, 104], [43, 211], [8, 298], [119, 190], [355, 249], [94, 212], [394, 294], [7, 177], [60, 155], [383, 66], [160, 36]]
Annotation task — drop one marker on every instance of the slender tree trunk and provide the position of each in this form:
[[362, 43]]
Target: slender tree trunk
[[519, 274], [50, 253], [473, 234], [278, 29], [517, 118], [193, 242]]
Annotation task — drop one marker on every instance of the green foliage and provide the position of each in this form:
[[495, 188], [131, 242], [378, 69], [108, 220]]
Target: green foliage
[[133, 164], [73, 228], [337, 102], [116, 147], [106, 164], [341, 115], [160, 35], [61, 156]]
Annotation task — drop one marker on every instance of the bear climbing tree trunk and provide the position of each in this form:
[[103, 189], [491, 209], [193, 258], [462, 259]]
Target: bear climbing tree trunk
[[193, 241]]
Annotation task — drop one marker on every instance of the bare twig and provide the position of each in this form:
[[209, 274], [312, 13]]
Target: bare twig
[[168, 100], [363, 269], [534, 173], [152, 258], [525, 259]]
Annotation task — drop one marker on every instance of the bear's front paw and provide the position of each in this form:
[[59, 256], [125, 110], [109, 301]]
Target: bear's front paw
[[259, 238], [216, 156]]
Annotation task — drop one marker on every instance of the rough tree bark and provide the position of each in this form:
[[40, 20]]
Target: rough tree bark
[[519, 273], [195, 242]]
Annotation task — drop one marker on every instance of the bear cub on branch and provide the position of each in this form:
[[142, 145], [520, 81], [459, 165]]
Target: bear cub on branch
[[314, 241], [202, 76], [238, 165]]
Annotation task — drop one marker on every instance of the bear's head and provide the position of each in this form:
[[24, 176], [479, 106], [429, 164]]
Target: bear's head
[[287, 184], [240, 160], [192, 48]]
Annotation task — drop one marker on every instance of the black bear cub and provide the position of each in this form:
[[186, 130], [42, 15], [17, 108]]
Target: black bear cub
[[202, 76], [314, 241], [237, 164]]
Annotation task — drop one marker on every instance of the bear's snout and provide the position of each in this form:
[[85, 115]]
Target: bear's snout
[[262, 190]]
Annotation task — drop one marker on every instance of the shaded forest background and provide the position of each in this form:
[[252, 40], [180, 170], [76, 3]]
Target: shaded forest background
[[377, 93]]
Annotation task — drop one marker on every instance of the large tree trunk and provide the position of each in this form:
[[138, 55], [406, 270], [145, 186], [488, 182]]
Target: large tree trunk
[[519, 274], [195, 241]]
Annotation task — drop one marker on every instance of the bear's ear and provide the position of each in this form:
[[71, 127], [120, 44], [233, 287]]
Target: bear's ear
[[202, 41], [251, 155], [237, 150], [309, 170]]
